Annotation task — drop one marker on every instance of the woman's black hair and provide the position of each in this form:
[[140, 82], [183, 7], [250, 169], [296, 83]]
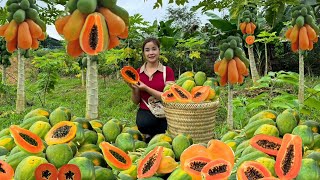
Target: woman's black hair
[[151, 39]]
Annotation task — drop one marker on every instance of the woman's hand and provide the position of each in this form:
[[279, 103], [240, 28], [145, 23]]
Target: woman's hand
[[141, 86]]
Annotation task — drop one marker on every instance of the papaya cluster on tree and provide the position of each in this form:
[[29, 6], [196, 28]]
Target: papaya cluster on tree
[[248, 19], [233, 64], [24, 28], [4, 54], [305, 31], [92, 26]]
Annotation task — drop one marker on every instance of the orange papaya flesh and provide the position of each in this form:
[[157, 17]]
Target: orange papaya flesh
[[149, 165], [266, 143], [216, 169], [252, 170], [218, 149], [201, 94], [181, 94], [92, 37], [193, 151], [168, 96], [194, 166], [130, 75], [289, 157]]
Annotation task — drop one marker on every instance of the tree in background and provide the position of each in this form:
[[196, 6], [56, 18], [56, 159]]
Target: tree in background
[[4, 59]]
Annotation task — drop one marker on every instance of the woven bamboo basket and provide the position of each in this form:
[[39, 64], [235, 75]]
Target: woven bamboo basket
[[195, 119]]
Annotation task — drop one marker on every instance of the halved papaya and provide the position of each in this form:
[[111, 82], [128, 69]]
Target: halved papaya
[[130, 75], [26, 139], [61, 132], [94, 34], [46, 171], [218, 149], [115, 157], [194, 166], [193, 151], [69, 171], [201, 94], [266, 143], [149, 165], [6, 171], [216, 169], [289, 157], [168, 96], [252, 170], [181, 94]]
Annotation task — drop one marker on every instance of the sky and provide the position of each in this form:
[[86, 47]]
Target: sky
[[143, 7]]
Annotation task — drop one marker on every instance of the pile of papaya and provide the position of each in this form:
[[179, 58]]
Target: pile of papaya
[[24, 28], [304, 31], [248, 19], [233, 64], [92, 26]]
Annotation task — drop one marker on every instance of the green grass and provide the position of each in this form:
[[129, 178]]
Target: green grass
[[114, 101]]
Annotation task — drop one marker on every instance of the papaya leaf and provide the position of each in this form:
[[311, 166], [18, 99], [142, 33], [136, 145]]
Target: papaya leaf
[[255, 105], [317, 87], [312, 103], [277, 104]]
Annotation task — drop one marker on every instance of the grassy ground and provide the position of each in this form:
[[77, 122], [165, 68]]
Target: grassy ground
[[114, 101]]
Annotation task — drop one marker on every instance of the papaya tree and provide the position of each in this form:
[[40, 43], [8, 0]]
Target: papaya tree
[[82, 61], [266, 38], [302, 35], [232, 67]]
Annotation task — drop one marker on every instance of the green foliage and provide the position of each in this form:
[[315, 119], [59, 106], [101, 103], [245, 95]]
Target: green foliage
[[3, 15], [266, 37]]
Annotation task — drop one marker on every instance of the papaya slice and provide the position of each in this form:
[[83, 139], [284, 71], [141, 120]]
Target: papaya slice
[[201, 94], [149, 165], [6, 171], [267, 144], [93, 35], [130, 75], [218, 149], [252, 170], [182, 95], [116, 25], [61, 132], [168, 96], [194, 166], [26, 140], [46, 171], [69, 171], [115, 157], [193, 151], [289, 157], [216, 169]]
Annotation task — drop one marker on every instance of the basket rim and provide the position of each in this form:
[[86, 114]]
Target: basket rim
[[203, 105]]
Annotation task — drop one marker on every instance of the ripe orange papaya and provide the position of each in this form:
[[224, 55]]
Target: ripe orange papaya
[[35, 43], [303, 38], [74, 49], [248, 28], [60, 23], [3, 29], [295, 46], [243, 27], [125, 33], [11, 31], [34, 28], [12, 45], [115, 24], [24, 36], [114, 42], [288, 32], [233, 74], [223, 67], [253, 27], [242, 69], [310, 45], [73, 27], [216, 66], [294, 35], [311, 33], [223, 80]]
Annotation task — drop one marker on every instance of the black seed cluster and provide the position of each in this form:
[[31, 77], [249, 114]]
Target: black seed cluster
[[61, 131], [130, 74], [149, 164], [93, 37], [69, 175], [288, 160], [118, 156], [197, 94], [253, 174], [29, 139], [217, 170], [170, 95], [181, 94], [46, 174], [197, 165], [268, 144], [1, 169]]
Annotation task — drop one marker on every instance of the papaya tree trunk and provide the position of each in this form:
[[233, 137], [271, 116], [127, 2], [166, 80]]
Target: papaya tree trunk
[[20, 102], [3, 79], [230, 107], [301, 79], [92, 89], [266, 60], [83, 77], [253, 67]]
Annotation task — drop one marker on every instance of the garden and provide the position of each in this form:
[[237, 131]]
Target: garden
[[245, 103]]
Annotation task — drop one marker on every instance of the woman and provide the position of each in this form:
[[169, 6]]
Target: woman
[[151, 84]]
